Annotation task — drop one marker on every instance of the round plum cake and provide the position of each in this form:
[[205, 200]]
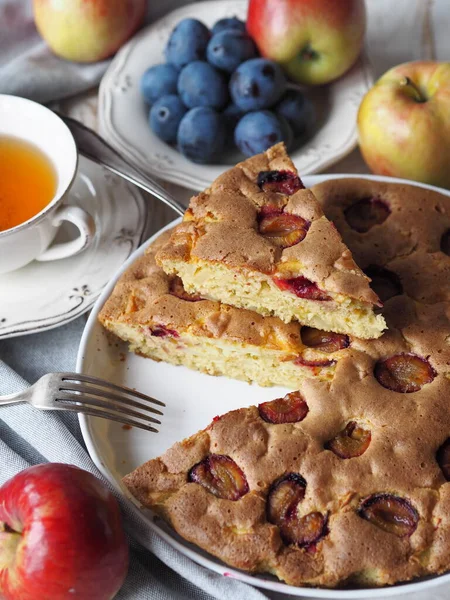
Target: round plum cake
[[346, 480]]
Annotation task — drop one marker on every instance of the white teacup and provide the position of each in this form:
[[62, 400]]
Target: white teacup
[[30, 240]]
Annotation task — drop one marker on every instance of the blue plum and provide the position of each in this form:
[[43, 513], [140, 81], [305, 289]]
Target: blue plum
[[228, 23], [288, 134], [165, 117], [229, 48], [298, 110], [201, 135], [200, 84], [158, 81], [257, 83], [187, 42], [259, 130], [232, 114]]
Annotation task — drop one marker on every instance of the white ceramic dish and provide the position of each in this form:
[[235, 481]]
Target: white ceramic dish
[[43, 295], [192, 400], [123, 113]]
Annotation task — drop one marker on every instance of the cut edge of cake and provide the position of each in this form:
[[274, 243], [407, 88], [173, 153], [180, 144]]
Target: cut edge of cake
[[152, 313]]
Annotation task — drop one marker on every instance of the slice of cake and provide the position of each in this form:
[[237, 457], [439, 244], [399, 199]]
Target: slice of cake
[[152, 311], [257, 239]]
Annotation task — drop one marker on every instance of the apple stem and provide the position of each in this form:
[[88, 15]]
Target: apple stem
[[290, 85], [418, 95], [307, 53]]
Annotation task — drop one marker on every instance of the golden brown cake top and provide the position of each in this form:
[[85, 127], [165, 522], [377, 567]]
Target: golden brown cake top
[[399, 227], [354, 489], [147, 298], [258, 216]]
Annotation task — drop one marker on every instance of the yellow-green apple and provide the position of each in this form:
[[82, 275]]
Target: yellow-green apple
[[404, 123], [87, 30], [61, 536], [315, 41]]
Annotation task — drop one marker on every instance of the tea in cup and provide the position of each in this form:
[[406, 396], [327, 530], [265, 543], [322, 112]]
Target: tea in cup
[[38, 163]]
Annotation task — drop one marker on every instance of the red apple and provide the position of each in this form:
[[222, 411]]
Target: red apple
[[315, 41], [404, 123], [61, 536], [87, 30]]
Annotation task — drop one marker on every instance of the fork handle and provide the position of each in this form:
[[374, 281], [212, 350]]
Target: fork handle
[[13, 398], [94, 147]]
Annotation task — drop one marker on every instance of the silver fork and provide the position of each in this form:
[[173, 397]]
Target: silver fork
[[90, 396]]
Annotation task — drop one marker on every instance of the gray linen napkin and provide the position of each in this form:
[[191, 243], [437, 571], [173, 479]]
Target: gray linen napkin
[[29, 436], [28, 68]]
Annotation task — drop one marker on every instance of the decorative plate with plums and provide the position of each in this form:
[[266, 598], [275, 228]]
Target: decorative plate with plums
[[191, 95]]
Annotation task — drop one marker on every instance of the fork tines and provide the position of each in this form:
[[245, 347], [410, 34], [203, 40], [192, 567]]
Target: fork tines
[[100, 398]]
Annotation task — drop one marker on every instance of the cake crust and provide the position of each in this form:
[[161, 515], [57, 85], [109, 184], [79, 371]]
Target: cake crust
[[409, 240], [220, 225]]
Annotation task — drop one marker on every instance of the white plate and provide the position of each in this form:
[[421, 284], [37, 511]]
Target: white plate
[[123, 113], [192, 400], [43, 295]]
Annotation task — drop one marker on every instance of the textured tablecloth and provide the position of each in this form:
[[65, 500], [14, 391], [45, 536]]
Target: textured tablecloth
[[28, 436]]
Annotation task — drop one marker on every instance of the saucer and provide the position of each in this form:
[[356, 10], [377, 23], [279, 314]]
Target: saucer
[[43, 295]]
